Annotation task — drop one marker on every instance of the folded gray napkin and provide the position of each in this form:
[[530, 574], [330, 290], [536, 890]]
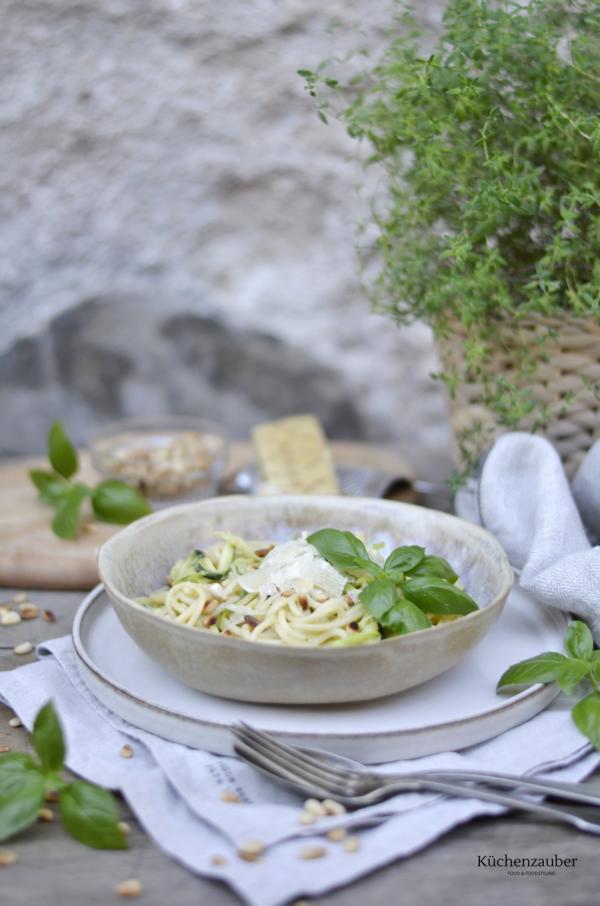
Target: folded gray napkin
[[526, 502]]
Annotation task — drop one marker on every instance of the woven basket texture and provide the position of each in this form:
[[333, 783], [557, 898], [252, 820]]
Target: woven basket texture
[[565, 356]]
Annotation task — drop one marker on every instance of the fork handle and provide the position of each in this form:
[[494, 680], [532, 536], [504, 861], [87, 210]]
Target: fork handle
[[466, 791], [569, 792]]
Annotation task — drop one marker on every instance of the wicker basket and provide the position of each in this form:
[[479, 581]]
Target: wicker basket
[[565, 355]]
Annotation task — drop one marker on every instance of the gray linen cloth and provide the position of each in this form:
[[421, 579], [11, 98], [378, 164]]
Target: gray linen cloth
[[526, 502]]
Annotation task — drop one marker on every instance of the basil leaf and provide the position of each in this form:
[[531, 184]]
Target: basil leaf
[[90, 815], [572, 674], [48, 740], [21, 798], [61, 452], [578, 640], [378, 597], [595, 671], [66, 519], [50, 485], [434, 566], [404, 617], [344, 551], [586, 715], [435, 595], [14, 766], [116, 502], [404, 559], [544, 668]]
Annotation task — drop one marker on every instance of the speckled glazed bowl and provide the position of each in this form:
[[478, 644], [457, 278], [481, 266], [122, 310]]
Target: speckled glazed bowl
[[137, 559]]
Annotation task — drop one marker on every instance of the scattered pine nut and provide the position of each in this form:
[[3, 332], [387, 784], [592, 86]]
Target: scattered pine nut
[[229, 796], [20, 597], [46, 814], [301, 903], [124, 827], [15, 722], [5, 749], [126, 751], [312, 852], [10, 618], [7, 857], [129, 888], [51, 796], [337, 834], [351, 844], [315, 808], [251, 850], [307, 818], [23, 648], [333, 808], [218, 860], [48, 616], [28, 611]]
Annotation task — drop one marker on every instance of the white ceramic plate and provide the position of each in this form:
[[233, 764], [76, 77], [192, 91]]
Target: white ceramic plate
[[452, 711]]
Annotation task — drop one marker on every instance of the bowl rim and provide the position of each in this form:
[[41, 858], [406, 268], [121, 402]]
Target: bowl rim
[[506, 575]]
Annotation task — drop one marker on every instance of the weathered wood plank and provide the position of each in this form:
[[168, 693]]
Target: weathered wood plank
[[55, 870]]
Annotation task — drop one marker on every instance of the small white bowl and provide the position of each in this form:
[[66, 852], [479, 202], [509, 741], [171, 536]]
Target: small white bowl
[[138, 558]]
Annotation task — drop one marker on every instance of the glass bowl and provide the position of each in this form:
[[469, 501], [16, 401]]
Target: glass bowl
[[169, 459]]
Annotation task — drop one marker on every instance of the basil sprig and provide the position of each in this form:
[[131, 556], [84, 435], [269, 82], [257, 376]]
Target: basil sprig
[[112, 501], [581, 665], [89, 812], [400, 594]]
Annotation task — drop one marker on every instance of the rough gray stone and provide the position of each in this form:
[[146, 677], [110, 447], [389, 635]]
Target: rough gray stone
[[167, 152]]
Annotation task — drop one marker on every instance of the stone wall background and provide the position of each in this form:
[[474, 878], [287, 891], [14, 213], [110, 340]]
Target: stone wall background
[[177, 227]]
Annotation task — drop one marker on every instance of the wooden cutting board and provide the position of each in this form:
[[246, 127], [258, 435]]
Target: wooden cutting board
[[31, 556]]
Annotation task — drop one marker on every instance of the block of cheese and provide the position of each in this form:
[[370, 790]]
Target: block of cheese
[[294, 458]]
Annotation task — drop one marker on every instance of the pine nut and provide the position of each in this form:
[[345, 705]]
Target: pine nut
[[124, 827], [333, 808], [7, 857], [126, 751], [48, 616], [15, 722], [351, 844], [229, 796], [51, 796], [23, 648], [129, 888], [46, 814], [20, 597], [218, 860], [337, 834], [315, 807], [312, 852], [28, 611], [307, 818], [5, 749], [251, 851], [10, 618]]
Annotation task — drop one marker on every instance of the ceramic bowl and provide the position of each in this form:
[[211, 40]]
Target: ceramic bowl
[[137, 559]]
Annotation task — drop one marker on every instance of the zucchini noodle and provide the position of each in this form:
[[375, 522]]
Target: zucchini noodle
[[283, 594]]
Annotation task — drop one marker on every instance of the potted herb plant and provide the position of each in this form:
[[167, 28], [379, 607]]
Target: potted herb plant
[[490, 226]]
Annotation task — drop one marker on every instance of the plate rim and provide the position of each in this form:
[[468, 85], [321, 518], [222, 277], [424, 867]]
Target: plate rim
[[542, 694]]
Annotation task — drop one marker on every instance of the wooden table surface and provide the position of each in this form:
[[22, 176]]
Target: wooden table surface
[[54, 870]]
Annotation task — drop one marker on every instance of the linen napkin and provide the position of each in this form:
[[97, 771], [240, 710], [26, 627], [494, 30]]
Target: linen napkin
[[175, 791], [526, 502]]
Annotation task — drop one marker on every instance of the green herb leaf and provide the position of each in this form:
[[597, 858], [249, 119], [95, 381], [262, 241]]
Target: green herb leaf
[[21, 794], [434, 566], [404, 559], [51, 485], [344, 551], [595, 670], [90, 815], [544, 668], [578, 640], [116, 502], [61, 452], [572, 673], [586, 715], [404, 617], [48, 739], [66, 519], [378, 597], [434, 595]]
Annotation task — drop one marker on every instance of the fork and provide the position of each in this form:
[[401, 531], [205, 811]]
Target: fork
[[314, 773]]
